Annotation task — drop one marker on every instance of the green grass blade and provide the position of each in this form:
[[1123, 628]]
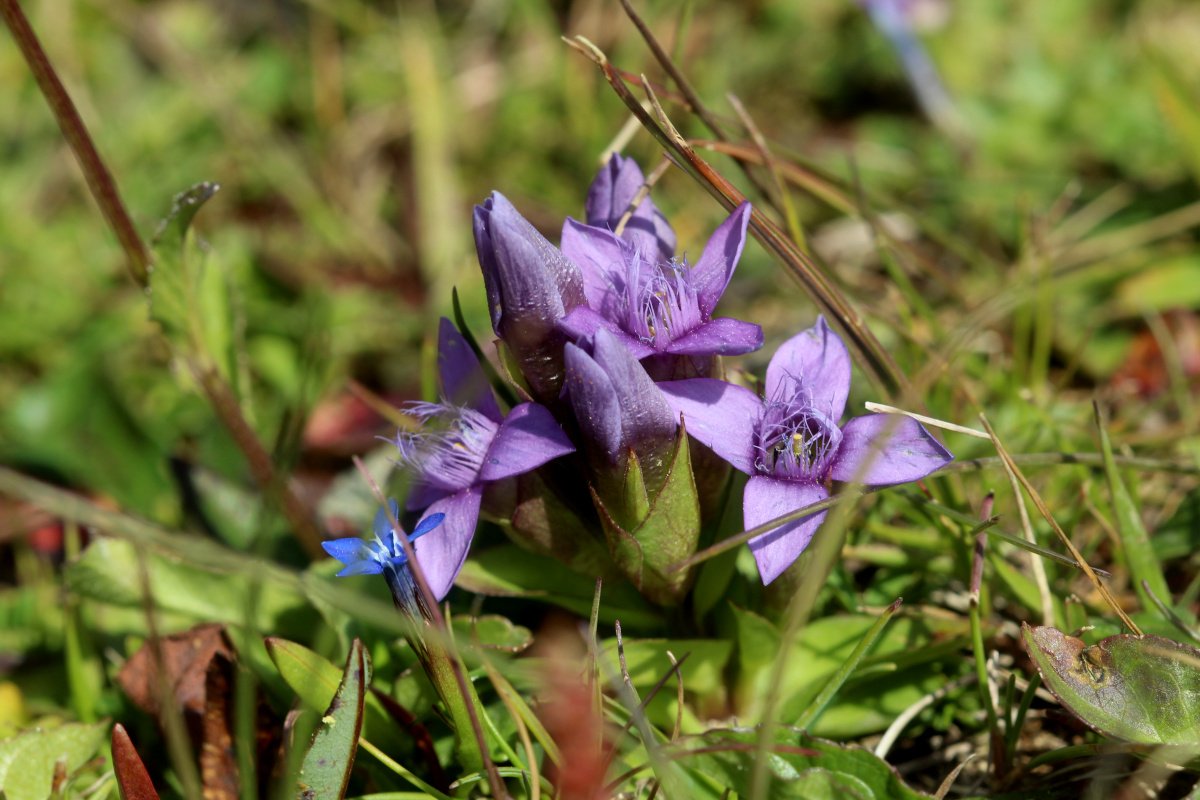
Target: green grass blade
[[1134, 539], [810, 714]]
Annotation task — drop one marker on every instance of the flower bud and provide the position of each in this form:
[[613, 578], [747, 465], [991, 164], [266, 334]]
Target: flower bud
[[530, 286]]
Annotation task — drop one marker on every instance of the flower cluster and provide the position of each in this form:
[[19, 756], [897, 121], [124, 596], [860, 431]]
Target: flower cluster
[[614, 343]]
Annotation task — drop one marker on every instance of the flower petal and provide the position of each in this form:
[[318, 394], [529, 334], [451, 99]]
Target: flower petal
[[422, 495], [614, 188], [582, 324], [528, 437], [601, 258], [382, 525], [348, 550], [369, 567], [645, 415], [464, 382], [594, 401], [712, 272], [441, 554], [764, 500], [426, 525], [719, 415], [881, 449], [530, 286], [723, 336], [818, 358], [526, 277]]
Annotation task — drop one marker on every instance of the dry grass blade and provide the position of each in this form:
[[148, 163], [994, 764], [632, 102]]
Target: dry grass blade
[[777, 190], [689, 96], [503, 690], [664, 770], [1044, 510], [948, 783], [878, 362]]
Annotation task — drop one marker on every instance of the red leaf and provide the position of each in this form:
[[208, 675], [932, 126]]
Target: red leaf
[[132, 777]]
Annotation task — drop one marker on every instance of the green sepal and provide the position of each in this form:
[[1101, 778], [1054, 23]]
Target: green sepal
[[535, 516], [664, 531], [635, 500]]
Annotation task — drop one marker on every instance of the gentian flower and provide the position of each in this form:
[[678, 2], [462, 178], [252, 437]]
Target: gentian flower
[[613, 189], [619, 409], [642, 483], [385, 555], [658, 306], [372, 558], [464, 444], [530, 287], [790, 444]]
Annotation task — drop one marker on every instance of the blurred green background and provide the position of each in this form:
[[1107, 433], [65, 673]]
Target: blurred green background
[[1044, 233], [351, 139]]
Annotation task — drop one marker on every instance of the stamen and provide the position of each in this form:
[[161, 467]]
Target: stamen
[[796, 440], [661, 303], [449, 449]]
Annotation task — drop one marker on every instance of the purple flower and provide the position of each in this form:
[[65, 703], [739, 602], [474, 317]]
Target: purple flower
[[530, 287], [790, 444], [656, 305], [614, 188], [465, 443], [619, 409]]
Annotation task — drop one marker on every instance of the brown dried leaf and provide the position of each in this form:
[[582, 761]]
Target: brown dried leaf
[[185, 660]]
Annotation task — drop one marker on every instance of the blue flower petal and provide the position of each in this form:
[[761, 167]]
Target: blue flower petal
[[362, 568], [426, 525], [347, 550], [382, 525]]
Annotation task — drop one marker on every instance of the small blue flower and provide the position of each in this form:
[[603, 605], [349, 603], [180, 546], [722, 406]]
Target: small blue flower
[[363, 557]]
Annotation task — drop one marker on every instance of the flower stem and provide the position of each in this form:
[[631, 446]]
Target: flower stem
[[440, 668]]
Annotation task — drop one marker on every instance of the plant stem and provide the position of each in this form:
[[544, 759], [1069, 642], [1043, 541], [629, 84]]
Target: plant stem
[[100, 182]]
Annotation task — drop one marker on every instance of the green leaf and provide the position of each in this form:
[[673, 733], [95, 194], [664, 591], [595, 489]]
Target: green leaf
[[1134, 540], [325, 772], [108, 569], [1178, 104], [509, 571], [27, 760], [868, 702], [492, 632], [1179, 536], [667, 533], [174, 280], [647, 661], [843, 672], [635, 502], [800, 766], [315, 679], [543, 523], [1143, 689], [1164, 284]]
